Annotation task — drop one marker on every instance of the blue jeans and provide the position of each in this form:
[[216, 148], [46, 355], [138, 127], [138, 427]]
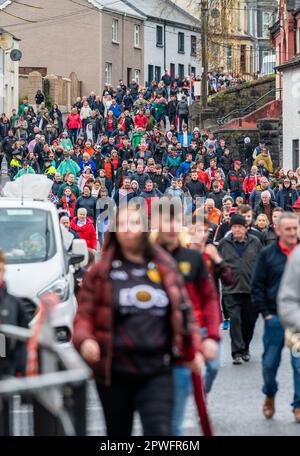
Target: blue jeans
[[273, 340], [183, 389], [211, 371]]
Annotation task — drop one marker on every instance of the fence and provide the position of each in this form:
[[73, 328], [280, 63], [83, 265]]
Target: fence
[[57, 394]]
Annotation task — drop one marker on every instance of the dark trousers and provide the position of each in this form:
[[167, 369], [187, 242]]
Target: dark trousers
[[182, 119], [243, 317], [224, 308], [73, 133], [151, 396]]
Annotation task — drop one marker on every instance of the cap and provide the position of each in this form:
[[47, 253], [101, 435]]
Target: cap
[[67, 154], [237, 162], [296, 204], [237, 219], [25, 162], [211, 146]]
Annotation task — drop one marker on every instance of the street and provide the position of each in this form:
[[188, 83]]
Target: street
[[235, 402]]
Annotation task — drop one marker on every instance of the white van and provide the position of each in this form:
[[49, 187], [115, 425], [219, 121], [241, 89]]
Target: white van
[[37, 260]]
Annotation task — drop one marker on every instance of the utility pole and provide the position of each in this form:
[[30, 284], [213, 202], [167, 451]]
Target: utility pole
[[204, 50]]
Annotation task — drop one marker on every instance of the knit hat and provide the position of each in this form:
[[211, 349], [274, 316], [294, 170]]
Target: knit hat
[[237, 219]]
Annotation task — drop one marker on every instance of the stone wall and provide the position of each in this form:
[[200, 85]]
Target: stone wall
[[62, 91], [268, 129], [242, 96]]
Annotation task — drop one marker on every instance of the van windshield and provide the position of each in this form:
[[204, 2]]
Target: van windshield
[[26, 235]]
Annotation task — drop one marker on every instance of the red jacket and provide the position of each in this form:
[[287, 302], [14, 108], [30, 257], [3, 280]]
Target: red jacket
[[251, 182], [73, 121], [86, 232], [68, 206], [140, 121], [204, 178], [94, 319]]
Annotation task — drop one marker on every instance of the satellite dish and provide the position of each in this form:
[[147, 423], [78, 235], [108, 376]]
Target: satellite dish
[[15, 55]]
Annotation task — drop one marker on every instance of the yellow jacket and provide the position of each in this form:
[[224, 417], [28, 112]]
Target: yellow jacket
[[267, 159]]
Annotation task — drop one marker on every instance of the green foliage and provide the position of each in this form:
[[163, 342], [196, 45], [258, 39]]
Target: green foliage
[[48, 102]]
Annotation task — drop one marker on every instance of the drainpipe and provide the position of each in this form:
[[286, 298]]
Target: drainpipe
[[165, 47], [123, 46]]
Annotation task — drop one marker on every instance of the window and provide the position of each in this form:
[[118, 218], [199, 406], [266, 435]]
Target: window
[[172, 70], [137, 76], [295, 153], [243, 58], [181, 71], [115, 30], [137, 31], [157, 73], [159, 36], [26, 235], [267, 19], [193, 45], [193, 71], [108, 73], [181, 42], [150, 73], [229, 57]]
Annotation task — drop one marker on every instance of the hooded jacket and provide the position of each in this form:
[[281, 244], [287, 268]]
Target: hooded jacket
[[86, 232]]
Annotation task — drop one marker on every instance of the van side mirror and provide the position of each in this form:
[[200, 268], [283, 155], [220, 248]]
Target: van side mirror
[[80, 251], [76, 259]]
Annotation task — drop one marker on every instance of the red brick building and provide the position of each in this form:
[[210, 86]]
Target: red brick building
[[286, 33]]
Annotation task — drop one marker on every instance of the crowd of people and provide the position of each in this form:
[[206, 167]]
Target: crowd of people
[[132, 142], [220, 80]]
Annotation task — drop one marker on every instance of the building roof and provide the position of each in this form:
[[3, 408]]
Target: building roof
[[118, 6], [4, 3], [165, 10], [294, 61]]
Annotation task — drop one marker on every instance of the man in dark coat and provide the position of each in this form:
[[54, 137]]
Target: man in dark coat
[[240, 250]]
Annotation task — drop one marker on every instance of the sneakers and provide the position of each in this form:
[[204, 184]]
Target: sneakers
[[226, 325], [237, 360], [297, 415], [269, 408], [246, 357]]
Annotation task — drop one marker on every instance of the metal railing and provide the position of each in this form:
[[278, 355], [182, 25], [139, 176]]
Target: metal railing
[[57, 394], [241, 112]]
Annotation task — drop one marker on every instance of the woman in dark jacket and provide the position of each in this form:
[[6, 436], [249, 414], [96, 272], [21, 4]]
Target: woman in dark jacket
[[55, 110], [287, 196], [128, 327]]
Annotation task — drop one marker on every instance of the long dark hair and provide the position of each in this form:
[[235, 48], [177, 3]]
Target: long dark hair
[[112, 241]]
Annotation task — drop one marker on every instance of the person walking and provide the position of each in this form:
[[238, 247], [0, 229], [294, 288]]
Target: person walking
[[289, 313], [265, 287], [129, 326], [239, 249]]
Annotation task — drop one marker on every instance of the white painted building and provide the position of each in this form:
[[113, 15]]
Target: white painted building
[[291, 112], [9, 73], [171, 39]]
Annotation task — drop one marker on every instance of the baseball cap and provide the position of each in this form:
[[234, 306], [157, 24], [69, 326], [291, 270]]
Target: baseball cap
[[237, 162]]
